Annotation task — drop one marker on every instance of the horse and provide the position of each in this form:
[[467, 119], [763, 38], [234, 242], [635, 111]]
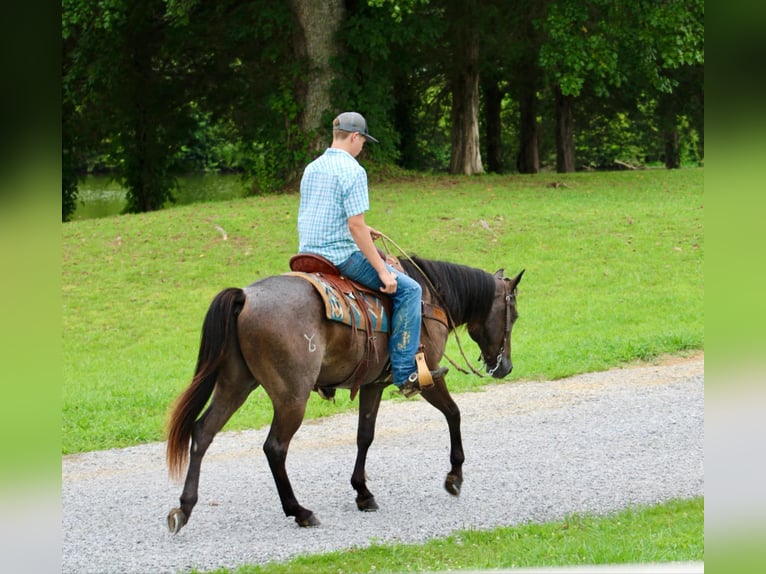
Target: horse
[[275, 334]]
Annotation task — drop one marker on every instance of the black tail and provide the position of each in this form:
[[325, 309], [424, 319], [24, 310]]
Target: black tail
[[219, 330]]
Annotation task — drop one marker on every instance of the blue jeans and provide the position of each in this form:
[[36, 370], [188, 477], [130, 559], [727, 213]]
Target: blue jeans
[[407, 313]]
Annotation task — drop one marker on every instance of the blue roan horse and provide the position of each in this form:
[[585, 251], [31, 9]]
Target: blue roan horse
[[275, 334]]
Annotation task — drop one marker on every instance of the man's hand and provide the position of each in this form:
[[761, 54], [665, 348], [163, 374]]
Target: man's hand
[[374, 233], [363, 235], [389, 282]]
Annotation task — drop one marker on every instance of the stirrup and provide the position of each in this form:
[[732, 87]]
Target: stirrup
[[424, 377], [412, 386]]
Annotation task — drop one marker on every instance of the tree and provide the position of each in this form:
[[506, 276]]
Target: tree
[[527, 79], [434, 52], [565, 156], [388, 68], [119, 81], [575, 49], [463, 30], [497, 31], [509, 71], [140, 76], [601, 45], [72, 134], [71, 163], [493, 95], [675, 36], [315, 42], [528, 157]]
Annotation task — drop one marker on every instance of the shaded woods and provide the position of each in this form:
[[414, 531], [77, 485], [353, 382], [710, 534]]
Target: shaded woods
[[156, 88]]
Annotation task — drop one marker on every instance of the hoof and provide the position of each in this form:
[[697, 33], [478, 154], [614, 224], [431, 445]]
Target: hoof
[[453, 484], [368, 505], [310, 520], [176, 520]]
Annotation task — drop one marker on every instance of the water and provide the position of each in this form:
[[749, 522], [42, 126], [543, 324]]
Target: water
[[100, 197]]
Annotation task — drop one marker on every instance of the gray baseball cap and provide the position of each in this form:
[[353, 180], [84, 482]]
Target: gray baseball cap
[[352, 122]]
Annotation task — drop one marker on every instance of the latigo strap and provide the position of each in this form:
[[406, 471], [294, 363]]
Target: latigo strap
[[424, 373]]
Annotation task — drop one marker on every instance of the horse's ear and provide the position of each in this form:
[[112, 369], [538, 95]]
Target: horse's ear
[[499, 273], [516, 280]]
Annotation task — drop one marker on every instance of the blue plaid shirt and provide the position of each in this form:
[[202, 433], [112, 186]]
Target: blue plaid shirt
[[333, 188]]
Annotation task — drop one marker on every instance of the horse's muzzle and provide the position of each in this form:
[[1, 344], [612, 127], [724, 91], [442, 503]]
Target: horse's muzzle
[[503, 369]]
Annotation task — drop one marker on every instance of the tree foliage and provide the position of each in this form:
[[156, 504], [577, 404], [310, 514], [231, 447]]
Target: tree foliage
[[151, 88]]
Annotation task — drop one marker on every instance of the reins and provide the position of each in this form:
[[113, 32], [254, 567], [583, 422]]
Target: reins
[[453, 326]]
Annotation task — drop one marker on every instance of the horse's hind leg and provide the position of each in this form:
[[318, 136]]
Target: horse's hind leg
[[228, 397], [439, 396], [369, 401], [288, 416]]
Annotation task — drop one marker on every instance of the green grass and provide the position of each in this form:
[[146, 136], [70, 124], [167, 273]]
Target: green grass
[[614, 273], [669, 532]]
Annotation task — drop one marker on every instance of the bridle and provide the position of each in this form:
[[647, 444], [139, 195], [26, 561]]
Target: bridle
[[507, 336], [509, 293]]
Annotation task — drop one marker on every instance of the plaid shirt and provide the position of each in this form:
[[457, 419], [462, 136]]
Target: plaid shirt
[[333, 188]]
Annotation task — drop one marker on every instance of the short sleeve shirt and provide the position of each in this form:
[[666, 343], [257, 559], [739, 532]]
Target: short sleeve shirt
[[333, 188]]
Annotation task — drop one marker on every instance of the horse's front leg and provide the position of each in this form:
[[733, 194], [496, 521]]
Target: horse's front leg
[[369, 401], [439, 396]]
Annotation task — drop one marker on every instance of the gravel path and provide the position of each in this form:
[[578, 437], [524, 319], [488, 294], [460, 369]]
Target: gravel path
[[535, 451]]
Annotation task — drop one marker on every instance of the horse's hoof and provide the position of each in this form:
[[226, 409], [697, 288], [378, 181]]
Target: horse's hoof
[[453, 484], [310, 520], [176, 520], [368, 505]]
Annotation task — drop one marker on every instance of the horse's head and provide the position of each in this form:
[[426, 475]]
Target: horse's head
[[493, 334]]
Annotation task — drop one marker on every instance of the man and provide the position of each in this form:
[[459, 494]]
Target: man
[[334, 197]]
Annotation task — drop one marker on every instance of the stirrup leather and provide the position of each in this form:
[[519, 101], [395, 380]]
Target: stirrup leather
[[424, 373]]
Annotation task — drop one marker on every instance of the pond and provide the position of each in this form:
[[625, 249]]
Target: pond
[[100, 196]]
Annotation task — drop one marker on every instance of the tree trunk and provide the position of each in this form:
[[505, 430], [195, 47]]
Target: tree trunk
[[668, 110], [527, 78], [528, 159], [315, 41], [406, 99], [565, 157], [672, 149], [466, 154], [493, 99], [146, 155]]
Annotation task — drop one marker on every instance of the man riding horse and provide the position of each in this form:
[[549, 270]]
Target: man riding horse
[[334, 197]]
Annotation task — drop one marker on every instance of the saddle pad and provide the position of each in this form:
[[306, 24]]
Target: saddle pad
[[343, 307]]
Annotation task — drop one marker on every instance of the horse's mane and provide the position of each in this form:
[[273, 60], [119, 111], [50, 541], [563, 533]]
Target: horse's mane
[[466, 292]]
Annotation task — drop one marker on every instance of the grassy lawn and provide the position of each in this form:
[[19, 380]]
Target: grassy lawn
[[614, 273], [666, 533]]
